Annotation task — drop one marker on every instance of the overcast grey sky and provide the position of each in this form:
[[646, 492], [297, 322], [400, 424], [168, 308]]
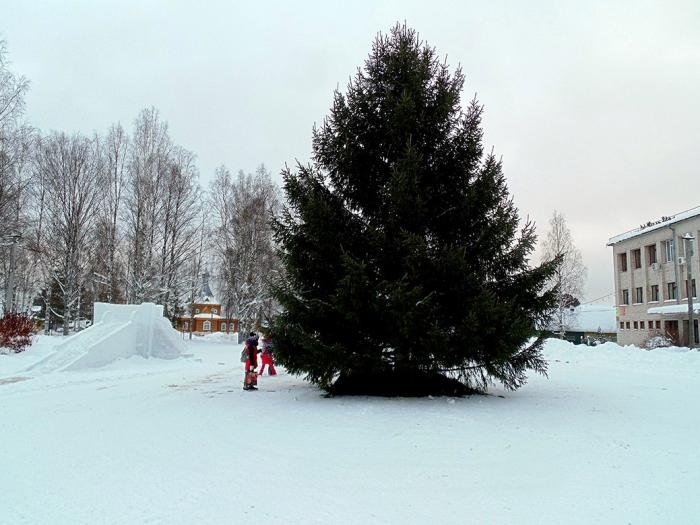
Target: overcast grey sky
[[594, 106]]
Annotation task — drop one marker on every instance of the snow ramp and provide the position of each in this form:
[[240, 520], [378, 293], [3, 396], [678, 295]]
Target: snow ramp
[[120, 331]]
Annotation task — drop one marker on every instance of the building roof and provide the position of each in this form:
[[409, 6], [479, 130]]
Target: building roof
[[207, 316], [673, 309], [206, 300], [591, 318], [665, 222], [206, 296], [201, 316]]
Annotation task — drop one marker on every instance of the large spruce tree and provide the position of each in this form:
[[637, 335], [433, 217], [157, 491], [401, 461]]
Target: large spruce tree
[[406, 270]]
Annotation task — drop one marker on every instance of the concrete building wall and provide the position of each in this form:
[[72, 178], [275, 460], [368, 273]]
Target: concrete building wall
[[633, 319]]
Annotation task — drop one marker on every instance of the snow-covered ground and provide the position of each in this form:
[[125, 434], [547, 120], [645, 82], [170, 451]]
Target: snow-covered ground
[[610, 437]]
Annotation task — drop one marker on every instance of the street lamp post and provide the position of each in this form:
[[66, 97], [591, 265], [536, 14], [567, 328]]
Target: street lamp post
[[688, 240]]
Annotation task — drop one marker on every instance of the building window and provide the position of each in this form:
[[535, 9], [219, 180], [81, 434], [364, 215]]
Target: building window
[[672, 291], [627, 325], [636, 325], [651, 254], [187, 325], [625, 297], [214, 311], [207, 326], [223, 327], [196, 310], [232, 327], [641, 325], [636, 259], [639, 295], [658, 325], [622, 258], [622, 325], [655, 292], [650, 324], [695, 292], [670, 250]]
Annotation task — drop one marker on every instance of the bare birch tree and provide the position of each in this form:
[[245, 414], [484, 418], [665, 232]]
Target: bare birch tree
[[108, 264], [147, 165], [244, 243], [570, 275], [13, 136], [71, 171], [194, 267], [16, 140], [179, 223]]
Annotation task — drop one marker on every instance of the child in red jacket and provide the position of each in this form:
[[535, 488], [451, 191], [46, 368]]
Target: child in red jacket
[[251, 363]]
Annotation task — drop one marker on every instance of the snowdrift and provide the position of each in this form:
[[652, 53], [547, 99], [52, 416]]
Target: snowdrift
[[221, 337], [120, 331]]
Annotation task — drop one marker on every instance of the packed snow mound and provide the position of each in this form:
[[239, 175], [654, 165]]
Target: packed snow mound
[[120, 331], [554, 343], [221, 337], [613, 356]]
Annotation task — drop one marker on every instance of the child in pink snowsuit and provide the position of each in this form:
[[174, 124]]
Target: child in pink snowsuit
[[267, 357]]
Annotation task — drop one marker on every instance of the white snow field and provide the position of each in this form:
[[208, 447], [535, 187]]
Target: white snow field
[[611, 437]]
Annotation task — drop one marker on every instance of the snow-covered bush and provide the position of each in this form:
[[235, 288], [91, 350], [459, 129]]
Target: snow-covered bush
[[16, 332], [658, 341]]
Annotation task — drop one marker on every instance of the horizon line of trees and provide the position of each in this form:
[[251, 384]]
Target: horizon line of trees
[[121, 217]]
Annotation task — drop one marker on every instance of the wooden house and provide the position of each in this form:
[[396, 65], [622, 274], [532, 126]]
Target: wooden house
[[205, 315]]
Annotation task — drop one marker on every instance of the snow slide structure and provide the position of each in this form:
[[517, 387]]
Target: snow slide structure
[[119, 331]]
